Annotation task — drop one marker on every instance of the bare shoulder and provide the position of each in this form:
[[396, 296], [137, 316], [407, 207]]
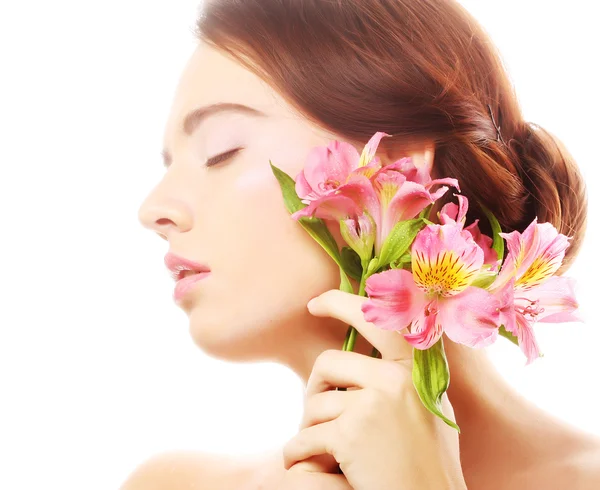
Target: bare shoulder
[[190, 470], [579, 470], [586, 470]]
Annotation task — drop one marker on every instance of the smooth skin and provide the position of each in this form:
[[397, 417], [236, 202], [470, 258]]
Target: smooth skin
[[253, 307]]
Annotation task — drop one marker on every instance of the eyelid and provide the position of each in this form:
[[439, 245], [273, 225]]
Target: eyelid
[[221, 157]]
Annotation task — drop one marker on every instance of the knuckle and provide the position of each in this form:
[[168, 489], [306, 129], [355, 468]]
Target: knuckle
[[324, 358], [398, 379], [286, 451], [370, 407], [329, 295], [312, 405], [291, 449], [350, 432]]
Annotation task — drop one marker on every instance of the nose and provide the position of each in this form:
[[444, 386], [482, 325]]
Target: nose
[[165, 215]]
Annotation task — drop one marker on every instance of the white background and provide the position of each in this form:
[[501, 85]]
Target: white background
[[97, 370]]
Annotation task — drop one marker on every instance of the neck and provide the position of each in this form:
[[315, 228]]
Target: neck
[[301, 347], [498, 424]]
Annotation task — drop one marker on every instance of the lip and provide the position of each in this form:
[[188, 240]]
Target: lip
[[185, 285], [177, 264]]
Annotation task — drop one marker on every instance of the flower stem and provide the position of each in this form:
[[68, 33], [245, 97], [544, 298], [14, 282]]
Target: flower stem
[[352, 332]]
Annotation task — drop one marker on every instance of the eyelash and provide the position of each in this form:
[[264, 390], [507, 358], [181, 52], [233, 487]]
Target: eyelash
[[211, 162]]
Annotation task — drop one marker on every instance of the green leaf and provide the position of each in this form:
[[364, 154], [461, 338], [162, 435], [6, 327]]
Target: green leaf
[[288, 188], [351, 262], [506, 334], [425, 212], [431, 378], [498, 241], [345, 284], [399, 240]]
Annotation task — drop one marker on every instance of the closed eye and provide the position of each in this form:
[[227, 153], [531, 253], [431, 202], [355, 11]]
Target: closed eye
[[221, 157]]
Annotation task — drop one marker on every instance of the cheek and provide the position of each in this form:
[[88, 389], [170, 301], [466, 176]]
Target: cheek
[[254, 181], [271, 237]]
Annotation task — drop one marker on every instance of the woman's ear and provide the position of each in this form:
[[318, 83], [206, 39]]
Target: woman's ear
[[421, 152]]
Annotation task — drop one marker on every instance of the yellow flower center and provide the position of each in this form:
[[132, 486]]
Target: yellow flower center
[[540, 270], [447, 275]]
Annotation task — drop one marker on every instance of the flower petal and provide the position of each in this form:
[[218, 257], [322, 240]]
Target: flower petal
[[408, 202], [471, 317], [444, 259], [442, 190], [556, 295], [303, 189], [394, 300], [426, 330], [370, 148], [522, 248], [335, 207], [548, 257], [448, 213], [490, 256], [360, 189], [326, 168], [527, 340], [506, 298]]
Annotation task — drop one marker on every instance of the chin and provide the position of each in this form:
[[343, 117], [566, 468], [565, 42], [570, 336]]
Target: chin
[[229, 340]]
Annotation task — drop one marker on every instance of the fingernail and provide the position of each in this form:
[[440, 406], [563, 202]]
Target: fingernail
[[310, 305]]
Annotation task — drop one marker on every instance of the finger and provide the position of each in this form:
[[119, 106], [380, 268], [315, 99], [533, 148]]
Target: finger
[[347, 308], [312, 441], [322, 481], [336, 368], [326, 406], [323, 463]]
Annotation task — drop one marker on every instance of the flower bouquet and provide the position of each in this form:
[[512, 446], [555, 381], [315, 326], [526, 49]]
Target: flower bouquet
[[423, 279]]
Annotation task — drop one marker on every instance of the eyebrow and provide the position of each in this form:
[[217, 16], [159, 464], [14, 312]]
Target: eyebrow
[[196, 116]]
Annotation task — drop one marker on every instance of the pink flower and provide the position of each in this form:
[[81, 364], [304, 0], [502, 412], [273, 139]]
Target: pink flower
[[526, 285], [436, 297], [338, 185], [451, 213], [328, 167], [395, 198]]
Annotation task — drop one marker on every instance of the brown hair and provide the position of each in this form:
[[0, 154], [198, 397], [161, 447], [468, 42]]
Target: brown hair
[[414, 69]]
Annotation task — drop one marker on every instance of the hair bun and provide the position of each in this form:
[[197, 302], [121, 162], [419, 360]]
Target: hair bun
[[556, 188]]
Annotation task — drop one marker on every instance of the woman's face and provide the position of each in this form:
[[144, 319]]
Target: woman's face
[[231, 216]]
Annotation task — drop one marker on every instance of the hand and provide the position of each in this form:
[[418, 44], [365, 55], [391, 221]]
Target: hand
[[308, 475], [378, 431]]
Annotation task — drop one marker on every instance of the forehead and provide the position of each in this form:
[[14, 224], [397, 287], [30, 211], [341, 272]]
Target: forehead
[[212, 77]]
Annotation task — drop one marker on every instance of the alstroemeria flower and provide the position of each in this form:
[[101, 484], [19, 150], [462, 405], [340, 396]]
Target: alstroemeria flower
[[396, 198], [436, 297], [452, 213], [526, 285], [328, 170], [340, 191], [328, 167]]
